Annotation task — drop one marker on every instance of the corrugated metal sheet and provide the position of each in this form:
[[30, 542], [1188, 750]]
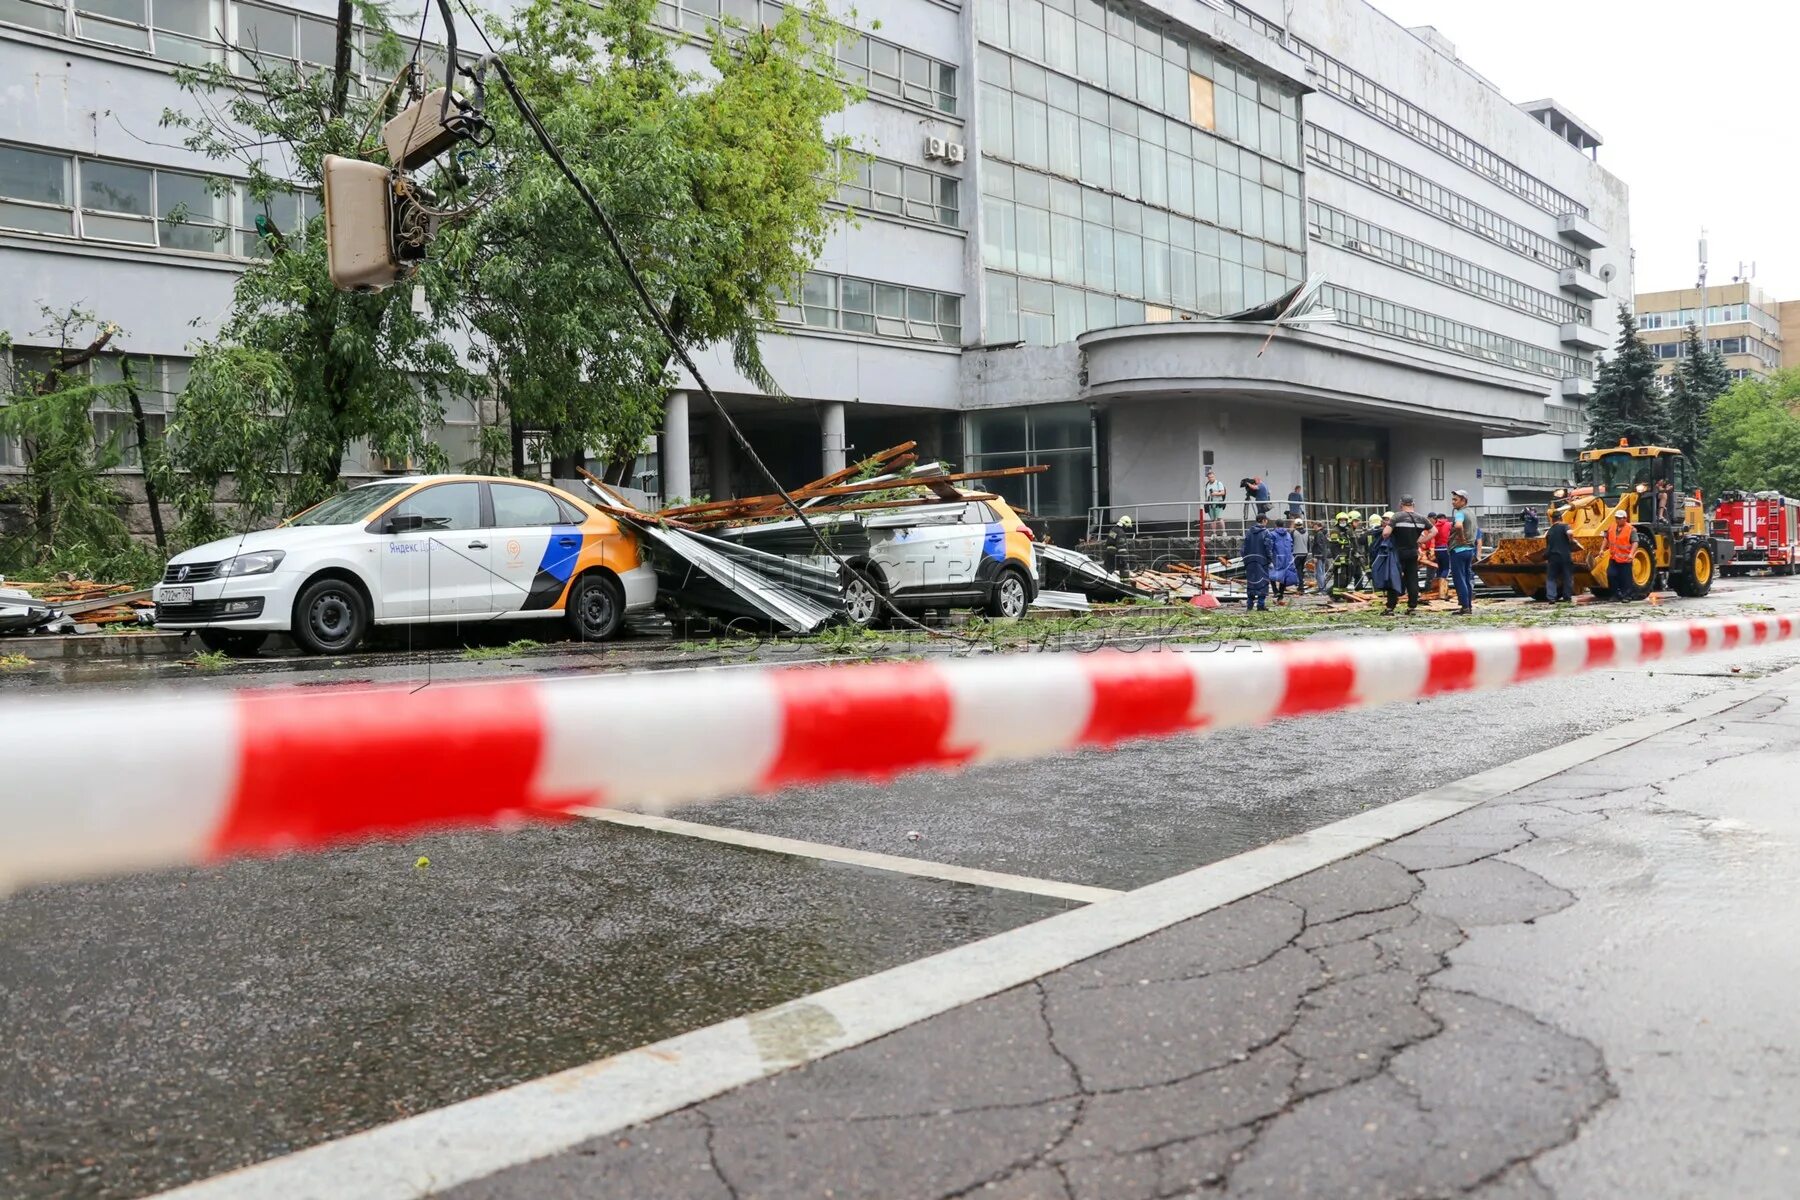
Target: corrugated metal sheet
[[696, 574]]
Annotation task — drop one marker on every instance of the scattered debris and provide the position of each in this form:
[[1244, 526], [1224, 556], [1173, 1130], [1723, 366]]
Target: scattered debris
[[699, 576], [1070, 570], [749, 557], [1065, 601], [21, 611], [49, 606]]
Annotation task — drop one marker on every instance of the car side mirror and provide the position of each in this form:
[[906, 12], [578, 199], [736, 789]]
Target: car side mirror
[[404, 523]]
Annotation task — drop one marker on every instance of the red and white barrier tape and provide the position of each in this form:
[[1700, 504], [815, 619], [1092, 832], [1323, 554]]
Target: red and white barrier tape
[[92, 788]]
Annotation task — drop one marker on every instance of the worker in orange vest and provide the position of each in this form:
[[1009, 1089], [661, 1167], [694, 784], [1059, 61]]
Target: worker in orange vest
[[1621, 546]]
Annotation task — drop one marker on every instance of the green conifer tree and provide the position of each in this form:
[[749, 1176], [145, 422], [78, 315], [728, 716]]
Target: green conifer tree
[[1698, 381], [1628, 397]]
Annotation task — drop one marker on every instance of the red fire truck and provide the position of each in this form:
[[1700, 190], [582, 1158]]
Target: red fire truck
[[1765, 528]]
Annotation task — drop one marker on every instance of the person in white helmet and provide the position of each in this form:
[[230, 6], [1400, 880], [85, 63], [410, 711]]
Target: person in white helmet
[[1113, 540], [1621, 548]]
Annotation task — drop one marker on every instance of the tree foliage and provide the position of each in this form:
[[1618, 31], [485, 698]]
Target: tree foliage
[[1697, 382], [1753, 441], [296, 364], [717, 183], [70, 509], [1628, 397]]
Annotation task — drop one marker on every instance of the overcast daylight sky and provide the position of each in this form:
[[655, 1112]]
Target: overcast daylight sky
[[1688, 97]]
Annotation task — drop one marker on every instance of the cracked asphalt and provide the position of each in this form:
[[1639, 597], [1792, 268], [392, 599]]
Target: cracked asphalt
[[1580, 989]]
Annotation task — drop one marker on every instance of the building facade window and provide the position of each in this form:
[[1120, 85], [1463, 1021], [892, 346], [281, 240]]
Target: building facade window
[[1335, 227], [1055, 435], [101, 200], [1128, 174], [1565, 419], [1383, 175], [157, 381], [459, 433], [1428, 329], [1393, 110], [1437, 479], [1536, 473], [194, 32], [871, 308], [1717, 314], [1769, 356], [885, 68], [882, 186]]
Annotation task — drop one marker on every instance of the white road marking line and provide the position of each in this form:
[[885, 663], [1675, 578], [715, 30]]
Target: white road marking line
[[859, 858], [422, 1156]]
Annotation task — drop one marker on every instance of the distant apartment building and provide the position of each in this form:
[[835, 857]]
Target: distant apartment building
[[1748, 327], [1063, 197]]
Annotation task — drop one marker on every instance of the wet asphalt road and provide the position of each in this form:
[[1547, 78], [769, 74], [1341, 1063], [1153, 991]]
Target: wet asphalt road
[[163, 1028], [166, 1027], [1128, 816]]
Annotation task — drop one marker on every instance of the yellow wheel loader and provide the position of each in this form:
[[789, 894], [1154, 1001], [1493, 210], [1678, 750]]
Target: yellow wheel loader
[[1655, 487]]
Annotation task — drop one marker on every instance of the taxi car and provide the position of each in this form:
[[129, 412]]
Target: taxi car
[[421, 549], [973, 553]]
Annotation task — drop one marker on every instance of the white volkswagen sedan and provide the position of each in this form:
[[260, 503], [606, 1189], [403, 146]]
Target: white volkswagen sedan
[[436, 548]]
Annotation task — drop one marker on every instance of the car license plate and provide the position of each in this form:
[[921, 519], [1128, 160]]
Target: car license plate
[[177, 595]]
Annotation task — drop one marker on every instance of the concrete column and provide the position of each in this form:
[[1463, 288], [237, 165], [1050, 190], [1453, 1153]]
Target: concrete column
[[831, 422], [720, 447], [676, 480]]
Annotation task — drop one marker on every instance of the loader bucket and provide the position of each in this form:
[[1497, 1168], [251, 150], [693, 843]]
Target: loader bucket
[[1518, 563]]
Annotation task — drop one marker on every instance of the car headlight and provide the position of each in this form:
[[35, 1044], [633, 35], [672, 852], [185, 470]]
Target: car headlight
[[259, 563]]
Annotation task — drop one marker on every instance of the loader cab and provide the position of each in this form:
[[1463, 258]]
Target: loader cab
[[1650, 482]]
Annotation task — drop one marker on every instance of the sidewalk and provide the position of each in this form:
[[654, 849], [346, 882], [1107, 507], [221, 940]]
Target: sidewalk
[[1582, 988]]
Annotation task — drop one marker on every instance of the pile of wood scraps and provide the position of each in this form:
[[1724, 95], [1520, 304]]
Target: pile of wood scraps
[[899, 481], [1347, 599], [65, 599], [1181, 580]]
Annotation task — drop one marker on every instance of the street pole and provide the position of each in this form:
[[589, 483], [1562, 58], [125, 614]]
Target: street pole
[[1703, 289]]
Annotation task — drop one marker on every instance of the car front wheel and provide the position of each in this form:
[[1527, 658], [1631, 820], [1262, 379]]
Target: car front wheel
[[1009, 597], [330, 617]]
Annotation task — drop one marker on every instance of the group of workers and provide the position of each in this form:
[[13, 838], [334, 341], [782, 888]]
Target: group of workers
[[1391, 553]]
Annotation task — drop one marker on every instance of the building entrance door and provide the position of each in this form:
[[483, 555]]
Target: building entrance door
[[1345, 464]]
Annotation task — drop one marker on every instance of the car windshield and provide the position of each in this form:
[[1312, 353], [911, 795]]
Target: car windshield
[[351, 506]]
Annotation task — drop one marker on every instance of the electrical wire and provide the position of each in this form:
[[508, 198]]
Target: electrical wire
[[662, 324]]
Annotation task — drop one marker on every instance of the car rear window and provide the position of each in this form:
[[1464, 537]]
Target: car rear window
[[518, 505]]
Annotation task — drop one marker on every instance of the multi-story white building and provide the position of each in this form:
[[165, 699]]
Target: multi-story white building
[[1063, 193]]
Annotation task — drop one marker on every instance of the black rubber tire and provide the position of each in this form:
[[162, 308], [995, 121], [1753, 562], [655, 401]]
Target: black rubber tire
[[238, 643], [1009, 597], [330, 617], [863, 606], [1689, 582], [596, 608], [1646, 545]]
